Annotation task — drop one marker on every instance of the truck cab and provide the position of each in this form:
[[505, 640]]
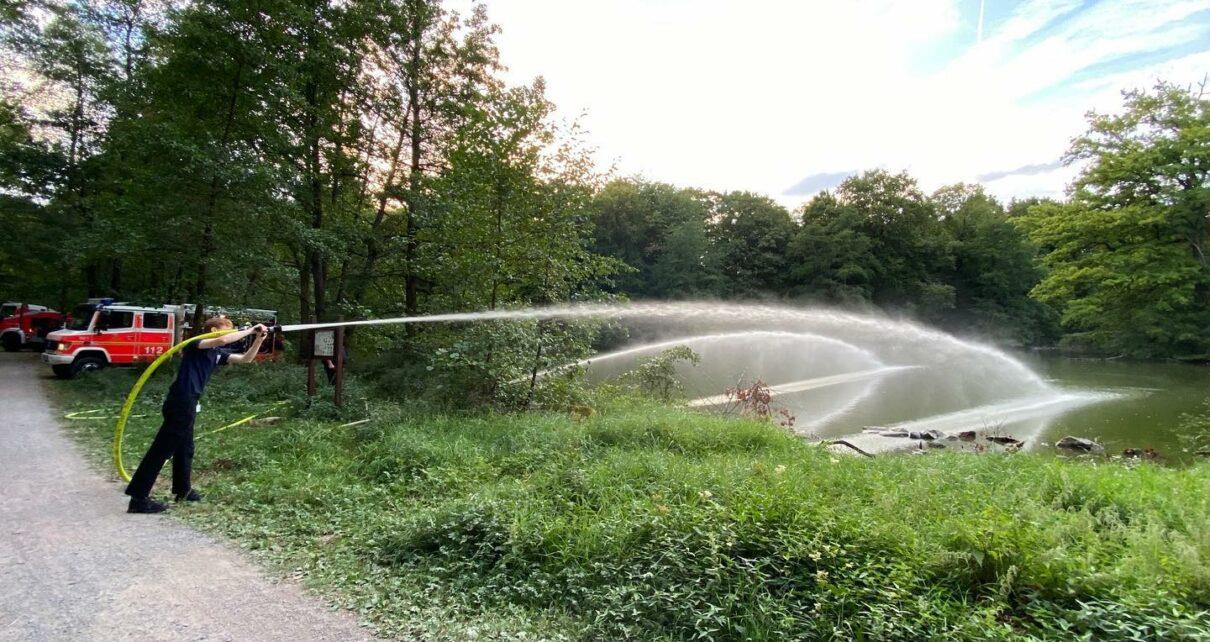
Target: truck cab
[[26, 325]]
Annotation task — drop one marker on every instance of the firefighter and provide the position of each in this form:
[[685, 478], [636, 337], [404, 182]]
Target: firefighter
[[175, 437]]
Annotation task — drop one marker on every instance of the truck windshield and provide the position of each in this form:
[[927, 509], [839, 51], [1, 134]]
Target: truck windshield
[[81, 317], [7, 310]]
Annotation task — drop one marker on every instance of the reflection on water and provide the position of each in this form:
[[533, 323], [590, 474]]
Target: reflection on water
[[1120, 404], [1147, 412]]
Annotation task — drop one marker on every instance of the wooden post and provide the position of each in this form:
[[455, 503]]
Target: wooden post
[[340, 366], [310, 364]]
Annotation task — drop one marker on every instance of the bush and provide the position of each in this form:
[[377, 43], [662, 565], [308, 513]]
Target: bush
[[655, 377]]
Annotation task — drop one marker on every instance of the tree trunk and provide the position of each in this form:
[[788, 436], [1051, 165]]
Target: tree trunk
[[115, 276], [411, 281], [373, 247], [91, 281], [304, 290], [533, 375], [315, 199], [206, 243]]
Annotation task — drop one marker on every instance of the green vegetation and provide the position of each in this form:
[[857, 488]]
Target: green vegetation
[[368, 159], [371, 160], [649, 522], [1120, 268], [1127, 255]]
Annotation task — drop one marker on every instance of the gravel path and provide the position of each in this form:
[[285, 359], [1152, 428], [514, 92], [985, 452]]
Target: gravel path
[[75, 566]]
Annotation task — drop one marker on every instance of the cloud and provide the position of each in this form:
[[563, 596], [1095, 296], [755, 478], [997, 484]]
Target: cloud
[[1024, 170], [731, 95], [817, 182]]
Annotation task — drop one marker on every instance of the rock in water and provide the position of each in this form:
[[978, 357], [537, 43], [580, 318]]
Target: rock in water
[[1079, 444], [1004, 440], [967, 435], [927, 435]]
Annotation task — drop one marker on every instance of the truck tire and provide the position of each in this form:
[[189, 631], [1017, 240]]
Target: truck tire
[[11, 341], [87, 363], [63, 371]]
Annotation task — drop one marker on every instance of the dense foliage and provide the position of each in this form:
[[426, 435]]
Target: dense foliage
[[954, 258], [367, 158], [646, 522], [1127, 254], [321, 158], [1121, 266]]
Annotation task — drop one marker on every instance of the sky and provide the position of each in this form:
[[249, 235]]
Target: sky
[[788, 97]]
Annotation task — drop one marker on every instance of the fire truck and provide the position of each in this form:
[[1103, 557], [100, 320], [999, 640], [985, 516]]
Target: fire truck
[[103, 333], [26, 325]]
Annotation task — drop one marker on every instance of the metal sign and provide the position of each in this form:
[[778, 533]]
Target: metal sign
[[325, 343]]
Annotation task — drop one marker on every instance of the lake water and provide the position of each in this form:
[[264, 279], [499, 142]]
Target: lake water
[[1153, 396], [1121, 404]]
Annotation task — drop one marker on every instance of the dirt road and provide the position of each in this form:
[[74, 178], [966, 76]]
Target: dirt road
[[75, 566]]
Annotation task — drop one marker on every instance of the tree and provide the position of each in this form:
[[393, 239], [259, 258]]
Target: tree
[[658, 230], [750, 234], [830, 254], [1127, 255], [511, 229], [687, 263], [875, 238], [994, 268]]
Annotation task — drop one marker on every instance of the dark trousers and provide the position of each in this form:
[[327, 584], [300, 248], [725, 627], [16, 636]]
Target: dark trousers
[[175, 440]]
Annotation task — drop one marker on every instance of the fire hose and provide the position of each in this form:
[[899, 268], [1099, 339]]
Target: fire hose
[[124, 415]]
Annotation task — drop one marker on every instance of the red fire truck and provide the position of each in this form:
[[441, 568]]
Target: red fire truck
[[26, 325], [104, 333]]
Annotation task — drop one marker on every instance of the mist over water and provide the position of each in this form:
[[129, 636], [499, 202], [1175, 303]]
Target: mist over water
[[837, 372], [840, 372]]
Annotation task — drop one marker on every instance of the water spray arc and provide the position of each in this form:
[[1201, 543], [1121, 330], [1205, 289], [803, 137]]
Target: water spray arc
[[691, 340], [878, 342], [808, 384]]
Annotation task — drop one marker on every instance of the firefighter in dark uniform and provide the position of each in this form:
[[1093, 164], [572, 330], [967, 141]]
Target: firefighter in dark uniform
[[175, 438]]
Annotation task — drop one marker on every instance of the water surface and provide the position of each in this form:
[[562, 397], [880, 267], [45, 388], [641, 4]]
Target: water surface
[[1153, 396]]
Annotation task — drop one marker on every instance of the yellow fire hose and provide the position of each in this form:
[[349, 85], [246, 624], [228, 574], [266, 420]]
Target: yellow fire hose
[[240, 422], [88, 414], [134, 394]]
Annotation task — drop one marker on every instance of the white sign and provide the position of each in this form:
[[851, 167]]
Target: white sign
[[325, 343]]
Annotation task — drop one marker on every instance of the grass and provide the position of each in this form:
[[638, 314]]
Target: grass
[[651, 522]]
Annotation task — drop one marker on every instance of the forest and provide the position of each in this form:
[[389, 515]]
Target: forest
[[367, 159]]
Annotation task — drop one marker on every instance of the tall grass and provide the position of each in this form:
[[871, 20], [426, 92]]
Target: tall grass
[[651, 522]]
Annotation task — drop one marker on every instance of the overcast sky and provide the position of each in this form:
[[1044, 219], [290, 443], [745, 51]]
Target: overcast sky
[[786, 97]]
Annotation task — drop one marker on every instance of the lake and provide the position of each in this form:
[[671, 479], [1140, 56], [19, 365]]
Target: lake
[[1153, 396], [847, 374]]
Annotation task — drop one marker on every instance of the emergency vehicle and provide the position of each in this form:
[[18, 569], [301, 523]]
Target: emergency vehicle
[[26, 325], [107, 334]]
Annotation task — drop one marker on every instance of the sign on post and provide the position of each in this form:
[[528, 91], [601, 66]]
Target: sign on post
[[325, 344], [327, 347]]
